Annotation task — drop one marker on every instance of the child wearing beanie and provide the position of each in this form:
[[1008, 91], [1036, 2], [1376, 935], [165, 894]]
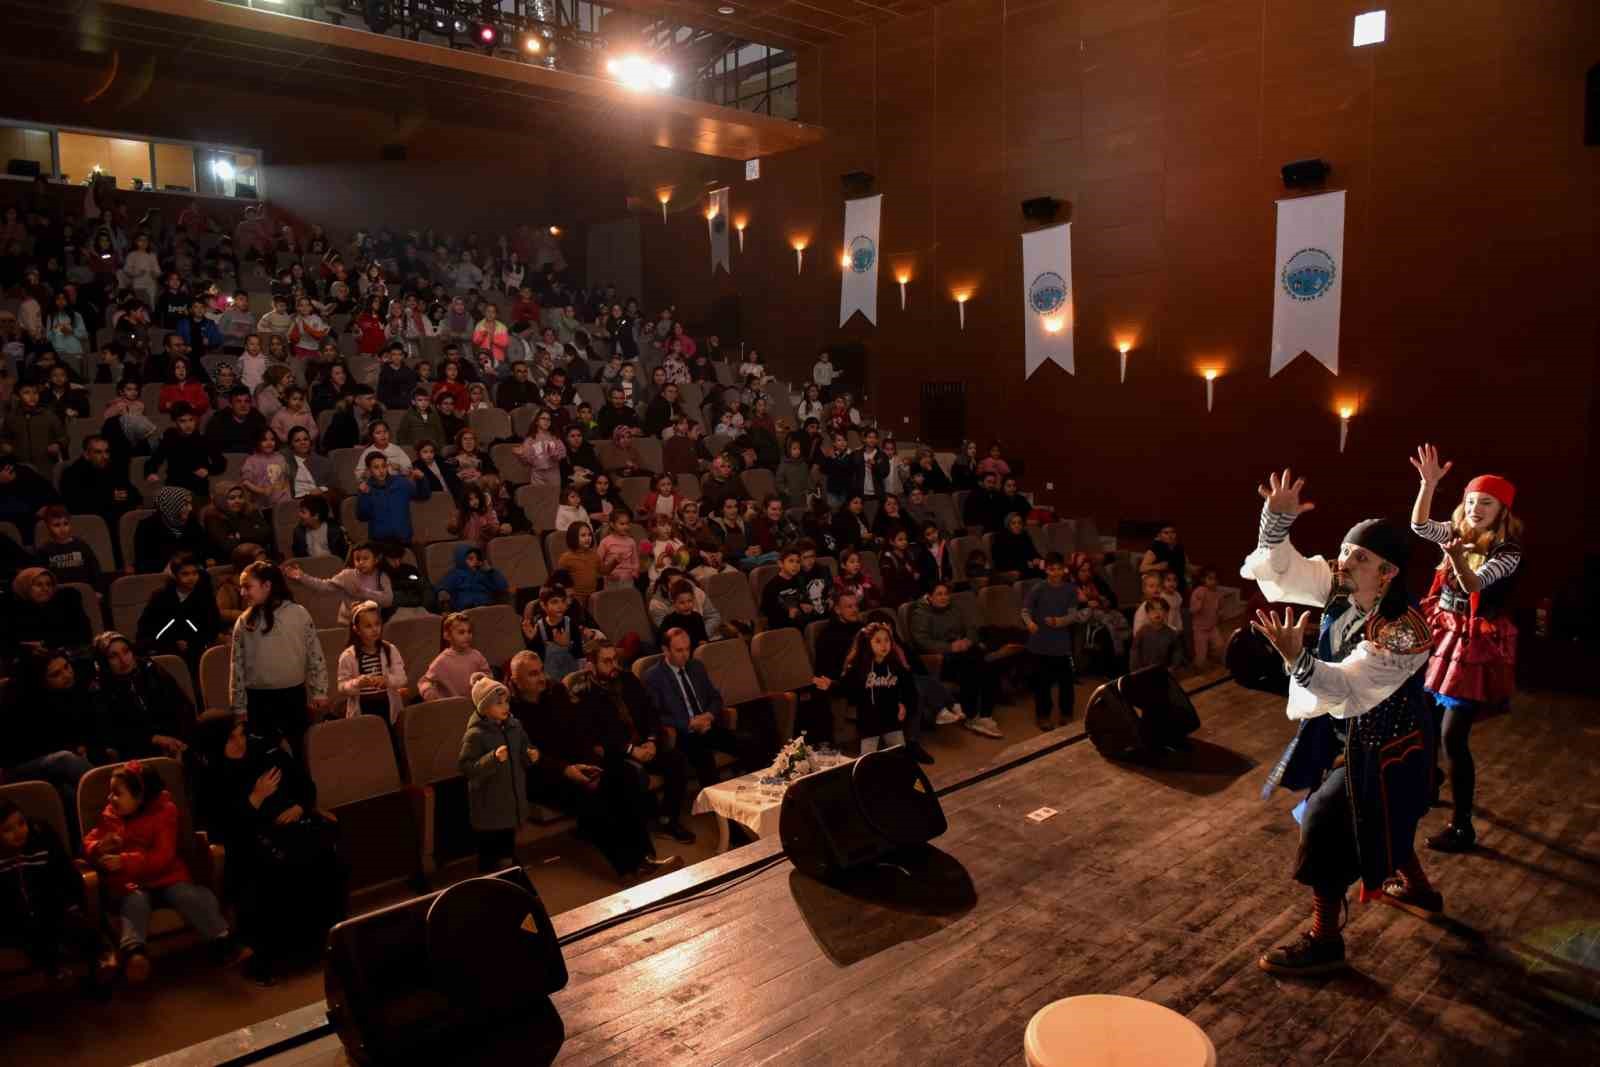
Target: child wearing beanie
[[492, 757]]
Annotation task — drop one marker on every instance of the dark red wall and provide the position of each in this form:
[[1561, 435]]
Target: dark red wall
[[1469, 309]]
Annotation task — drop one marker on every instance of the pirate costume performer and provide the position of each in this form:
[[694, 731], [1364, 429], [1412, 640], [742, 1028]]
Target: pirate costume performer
[[1364, 744], [1472, 672]]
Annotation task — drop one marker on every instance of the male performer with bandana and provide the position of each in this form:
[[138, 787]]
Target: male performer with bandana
[[1364, 745]]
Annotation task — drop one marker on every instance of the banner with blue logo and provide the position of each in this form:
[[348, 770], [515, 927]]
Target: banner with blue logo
[[717, 226], [1307, 280], [1047, 290], [859, 289]]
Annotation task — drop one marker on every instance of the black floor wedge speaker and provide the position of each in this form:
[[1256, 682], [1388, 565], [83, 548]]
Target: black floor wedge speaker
[[1139, 714], [434, 975], [858, 813]]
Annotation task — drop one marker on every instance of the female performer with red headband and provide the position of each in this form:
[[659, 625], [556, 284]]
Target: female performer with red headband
[[1472, 670]]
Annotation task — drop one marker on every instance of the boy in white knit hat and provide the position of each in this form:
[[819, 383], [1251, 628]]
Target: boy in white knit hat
[[492, 753]]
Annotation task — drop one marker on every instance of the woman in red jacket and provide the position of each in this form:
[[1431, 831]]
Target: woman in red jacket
[[135, 846], [180, 386]]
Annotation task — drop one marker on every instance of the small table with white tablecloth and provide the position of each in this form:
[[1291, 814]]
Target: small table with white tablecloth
[[751, 800]]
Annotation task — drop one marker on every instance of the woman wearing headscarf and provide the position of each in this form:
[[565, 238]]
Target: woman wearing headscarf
[[233, 520], [44, 614], [141, 710], [284, 871], [50, 737], [173, 528]]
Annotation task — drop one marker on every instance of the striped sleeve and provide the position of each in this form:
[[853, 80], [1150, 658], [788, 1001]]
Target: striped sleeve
[[1503, 564], [1274, 527], [1434, 530]]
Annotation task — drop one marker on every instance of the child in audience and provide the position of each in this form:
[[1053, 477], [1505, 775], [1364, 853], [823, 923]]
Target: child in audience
[[1149, 589], [1048, 611], [993, 463], [476, 521], [794, 476], [1203, 605], [293, 413], [557, 637], [1155, 644], [478, 398], [471, 582], [265, 474], [513, 519], [977, 568], [619, 552], [135, 847], [854, 581], [127, 408], [902, 583], [711, 563], [38, 890], [182, 618], [317, 534], [413, 593], [67, 556], [420, 422], [683, 613], [665, 548], [571, 508], [252, 365], [1174, 599], [495, 755], [229, 599], [450, 673], [384, 503], [371, 674], [581, 561], [877, 680], [362, 579]]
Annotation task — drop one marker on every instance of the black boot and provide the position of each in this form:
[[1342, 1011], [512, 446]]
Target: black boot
[[1454, 838], [1305, 955], [1424, 903]]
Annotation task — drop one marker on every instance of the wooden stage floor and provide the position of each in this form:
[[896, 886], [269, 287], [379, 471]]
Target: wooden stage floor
[[1162, 882]]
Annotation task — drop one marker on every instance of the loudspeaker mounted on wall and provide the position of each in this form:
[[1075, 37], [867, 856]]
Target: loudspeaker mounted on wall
[[1041, 209], [857, 183], [1304, 172]]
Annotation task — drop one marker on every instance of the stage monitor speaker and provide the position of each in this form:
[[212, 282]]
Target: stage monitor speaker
[[858, 813], [443, 971], [1138, 714], [1254, 663], [1304, 172]]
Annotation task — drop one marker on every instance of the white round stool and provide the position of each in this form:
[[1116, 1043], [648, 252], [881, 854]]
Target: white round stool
[[1098, 1030]]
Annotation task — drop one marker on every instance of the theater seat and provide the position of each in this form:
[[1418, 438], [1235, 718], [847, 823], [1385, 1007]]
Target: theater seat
[[204, 859], [731, 594], [497, 633], [353, 765], [418, 639], [734, 674], [619, 611], [430, 734]]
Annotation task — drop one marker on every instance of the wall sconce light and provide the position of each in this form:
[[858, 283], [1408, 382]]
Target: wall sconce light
[[1123, 347], [1210, 375], [1053, 325], [844, 260], [1346, 413], [961, 306], [739, 224], [555, 231], [799, 246], [711, 211], [904, 278], [663, 195]]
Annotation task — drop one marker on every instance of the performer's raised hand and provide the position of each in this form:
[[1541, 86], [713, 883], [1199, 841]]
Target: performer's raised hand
[[1282, 494], [1428, 467], [1287, 634]]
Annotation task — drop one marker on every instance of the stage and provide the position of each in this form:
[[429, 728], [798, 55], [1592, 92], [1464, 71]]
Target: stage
[[1163, 882]]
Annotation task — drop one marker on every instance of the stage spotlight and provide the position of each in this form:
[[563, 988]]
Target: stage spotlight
[[222, 169], [487, 35], [459, 26], [637, 72], [532, 44]]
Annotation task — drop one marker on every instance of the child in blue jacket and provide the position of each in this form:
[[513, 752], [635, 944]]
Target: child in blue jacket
[[472, 582], [384, 503]]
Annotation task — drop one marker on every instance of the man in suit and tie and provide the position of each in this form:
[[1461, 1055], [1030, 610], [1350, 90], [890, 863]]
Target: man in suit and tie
[[690, 704]]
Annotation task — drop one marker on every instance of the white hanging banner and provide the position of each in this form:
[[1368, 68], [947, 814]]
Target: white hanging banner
[[858, 291], [1047, 289], [717, 227], [1306, 282]]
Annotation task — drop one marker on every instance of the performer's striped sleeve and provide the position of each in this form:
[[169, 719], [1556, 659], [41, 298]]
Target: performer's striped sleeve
[[1434, 530], [1502, 564], [1274, 527]]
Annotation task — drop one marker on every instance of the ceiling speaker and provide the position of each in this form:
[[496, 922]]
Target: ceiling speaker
[[856, 183], [1041, 208]]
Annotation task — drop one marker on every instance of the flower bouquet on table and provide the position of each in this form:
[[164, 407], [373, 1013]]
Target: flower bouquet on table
[[796, 759]]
